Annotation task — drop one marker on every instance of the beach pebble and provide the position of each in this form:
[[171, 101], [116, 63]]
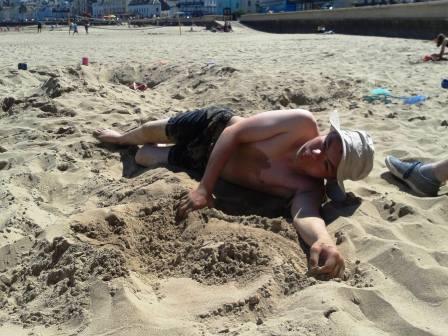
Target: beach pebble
[[63, 166], [3, 149]]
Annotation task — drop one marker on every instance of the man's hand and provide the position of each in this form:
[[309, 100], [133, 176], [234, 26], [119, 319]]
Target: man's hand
[[194, 200], [326, 259], [438, 57]]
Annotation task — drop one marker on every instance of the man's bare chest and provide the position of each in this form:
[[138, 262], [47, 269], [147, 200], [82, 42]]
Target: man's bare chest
[[250, 166]]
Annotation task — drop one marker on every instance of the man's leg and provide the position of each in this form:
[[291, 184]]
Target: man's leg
[[441, 170], [152, 132], [424, 179], [150, 155]]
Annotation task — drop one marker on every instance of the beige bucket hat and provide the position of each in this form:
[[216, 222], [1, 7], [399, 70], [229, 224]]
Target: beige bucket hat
[[357, 152]]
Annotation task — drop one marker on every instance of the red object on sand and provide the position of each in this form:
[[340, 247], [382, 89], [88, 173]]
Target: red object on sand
[[427, 58], [85, 61], [138, 86]]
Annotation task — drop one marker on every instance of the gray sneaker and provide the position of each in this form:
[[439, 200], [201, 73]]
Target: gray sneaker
[[409, 173]]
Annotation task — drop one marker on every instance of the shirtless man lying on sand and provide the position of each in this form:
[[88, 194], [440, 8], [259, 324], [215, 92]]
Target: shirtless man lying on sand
[[277, 152]]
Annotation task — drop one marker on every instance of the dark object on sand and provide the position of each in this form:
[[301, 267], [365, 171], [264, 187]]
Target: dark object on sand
[[445, 83]]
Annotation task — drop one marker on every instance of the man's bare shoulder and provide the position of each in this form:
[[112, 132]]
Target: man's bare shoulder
[[266, 125], [282, 119], [294, 116]]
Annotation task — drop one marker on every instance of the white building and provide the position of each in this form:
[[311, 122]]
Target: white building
[[109, 7], [172, 8], [18, 13], [145, 8]]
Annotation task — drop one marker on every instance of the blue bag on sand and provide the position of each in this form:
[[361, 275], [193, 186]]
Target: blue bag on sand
[[380, 92], [414, 100], [385, 96]]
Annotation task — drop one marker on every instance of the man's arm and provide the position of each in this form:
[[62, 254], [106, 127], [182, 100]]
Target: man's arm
[[286, 123], [324, 255], [442, 50]]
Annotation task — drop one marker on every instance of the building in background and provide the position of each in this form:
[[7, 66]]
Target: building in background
[[341, 3], [103, 8], [267, 6], [248, 6], [19, 12], [145, 8], [191, 7], [82, 7], [169, 8], [210, 7], [233, 5], [29, 10]]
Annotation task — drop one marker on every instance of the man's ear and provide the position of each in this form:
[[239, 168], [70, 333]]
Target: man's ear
[[334, 192]]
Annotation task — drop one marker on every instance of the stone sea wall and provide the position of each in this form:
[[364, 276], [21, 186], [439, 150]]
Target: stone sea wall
[[416, 20]]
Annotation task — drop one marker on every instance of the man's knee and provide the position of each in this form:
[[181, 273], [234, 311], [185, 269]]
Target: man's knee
[[156, 129]]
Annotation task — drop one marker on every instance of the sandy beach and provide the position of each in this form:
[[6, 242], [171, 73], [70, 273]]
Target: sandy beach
[[89, 244]]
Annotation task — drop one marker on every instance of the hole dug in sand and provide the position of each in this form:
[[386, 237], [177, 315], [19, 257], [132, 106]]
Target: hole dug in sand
[[231, 265], [209, 249], [211, 267]]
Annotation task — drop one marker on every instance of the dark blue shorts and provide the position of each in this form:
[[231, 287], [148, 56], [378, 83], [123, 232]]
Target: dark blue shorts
[[195, 134]]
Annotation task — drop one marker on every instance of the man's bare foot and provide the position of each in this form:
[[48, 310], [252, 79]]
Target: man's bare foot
[[107, 135]]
